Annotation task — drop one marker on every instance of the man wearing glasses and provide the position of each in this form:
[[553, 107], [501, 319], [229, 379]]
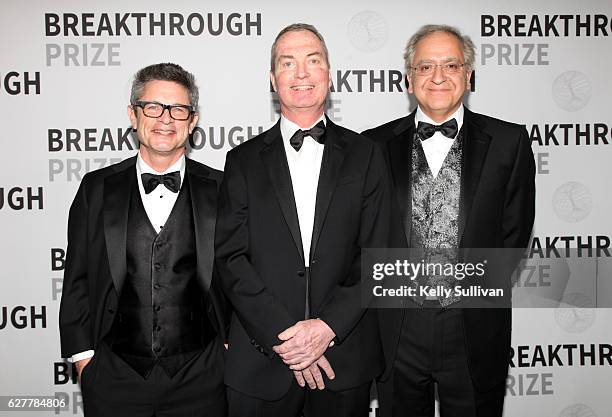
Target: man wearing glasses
[[141, 314], [461, 180]]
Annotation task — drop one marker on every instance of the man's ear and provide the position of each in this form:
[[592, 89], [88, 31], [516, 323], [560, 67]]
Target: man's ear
[[273, 81], [194, 122], [410, 87], [132, 116]]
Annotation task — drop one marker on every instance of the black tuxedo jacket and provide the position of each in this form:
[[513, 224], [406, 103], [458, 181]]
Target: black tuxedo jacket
[[497, 206], [261, 261], [96, 255]]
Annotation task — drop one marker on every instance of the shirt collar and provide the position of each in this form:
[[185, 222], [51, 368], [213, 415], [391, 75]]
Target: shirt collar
[[288, 128], [420, 116]]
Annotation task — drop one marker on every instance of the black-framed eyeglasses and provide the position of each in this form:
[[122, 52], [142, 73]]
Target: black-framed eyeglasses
[[427, 68], [155, 109]]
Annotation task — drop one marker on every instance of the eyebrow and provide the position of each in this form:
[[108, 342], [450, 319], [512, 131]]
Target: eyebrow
[[448, 59], [292, 57]]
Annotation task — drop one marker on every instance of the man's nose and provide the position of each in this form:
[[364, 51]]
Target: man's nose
[[165, 116], [302, 70], [438, 76]]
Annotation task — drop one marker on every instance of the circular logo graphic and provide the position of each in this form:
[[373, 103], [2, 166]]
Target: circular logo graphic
[[575, 313], [571, 90], [368, 31], [578, 410], [572, 202]]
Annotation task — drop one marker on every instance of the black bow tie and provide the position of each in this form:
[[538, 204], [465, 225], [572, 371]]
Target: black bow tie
[[171, 181], [317, 132], [448, 129]]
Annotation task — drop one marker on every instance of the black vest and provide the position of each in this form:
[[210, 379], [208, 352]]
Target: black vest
[[162, 309]]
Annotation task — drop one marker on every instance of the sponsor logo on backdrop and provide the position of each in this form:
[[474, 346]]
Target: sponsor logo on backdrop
[[16, 83], [545, 25], [107, 140], [152, 24], [572, 202], [566, 246], [570, 134], [99, 54], [221, 137], [58, 262], [550, 356], [575, 313], [23, 317], [578, 410], [368, 31], [571, 90], [21, 198], [566, 134], [534, 26]]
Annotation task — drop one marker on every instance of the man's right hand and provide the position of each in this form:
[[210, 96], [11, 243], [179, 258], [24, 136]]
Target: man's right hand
[[80, 365], [312, 375]]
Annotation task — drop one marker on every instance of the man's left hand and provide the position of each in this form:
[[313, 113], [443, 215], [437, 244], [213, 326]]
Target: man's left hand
[[304, 343]]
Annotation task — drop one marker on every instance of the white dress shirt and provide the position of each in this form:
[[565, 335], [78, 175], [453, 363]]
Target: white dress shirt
[[436, 147], [304, 167], [158, 205]]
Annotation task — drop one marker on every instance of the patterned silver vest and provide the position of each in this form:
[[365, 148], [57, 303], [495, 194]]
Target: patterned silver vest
[[435, 212]]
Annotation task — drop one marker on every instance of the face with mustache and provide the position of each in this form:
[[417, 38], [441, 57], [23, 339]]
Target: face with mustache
[[162, 136], [301, 75]]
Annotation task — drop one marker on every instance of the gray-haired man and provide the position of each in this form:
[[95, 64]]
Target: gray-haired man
[[141, 313]]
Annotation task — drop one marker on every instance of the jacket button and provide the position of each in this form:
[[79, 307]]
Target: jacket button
[[111, 311], [157, 266], [300, 273], [156, 286], [157, 308]]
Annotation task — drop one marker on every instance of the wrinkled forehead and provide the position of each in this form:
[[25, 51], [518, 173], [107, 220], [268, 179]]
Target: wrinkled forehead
[[299, 42]]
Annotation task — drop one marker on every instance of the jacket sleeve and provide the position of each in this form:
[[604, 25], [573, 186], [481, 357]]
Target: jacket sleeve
[[345, 306], [261, 314], [74, 316]]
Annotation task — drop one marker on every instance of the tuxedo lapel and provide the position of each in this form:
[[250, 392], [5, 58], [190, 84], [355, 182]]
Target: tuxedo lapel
[[400, 158], [475, 147], [333, 157], [275, 161], [203, 191], [117, 188]]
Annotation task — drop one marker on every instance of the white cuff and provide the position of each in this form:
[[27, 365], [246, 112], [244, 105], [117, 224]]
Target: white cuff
[[80, 356]]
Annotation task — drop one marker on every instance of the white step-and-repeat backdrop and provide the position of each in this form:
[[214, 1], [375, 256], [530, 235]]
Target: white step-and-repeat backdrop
[[64, 86]]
